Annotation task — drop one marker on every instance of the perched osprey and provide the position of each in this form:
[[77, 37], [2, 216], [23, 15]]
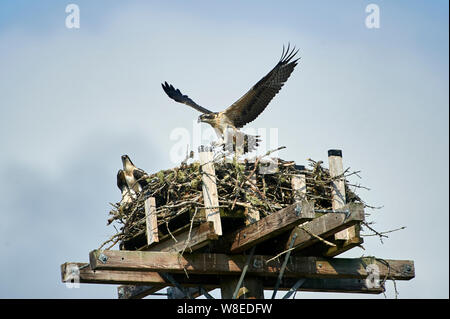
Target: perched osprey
[[249, 106], [127, 193], [134, 177]]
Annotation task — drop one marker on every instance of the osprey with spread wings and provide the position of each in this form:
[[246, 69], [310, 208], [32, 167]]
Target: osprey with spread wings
[[249, 106]]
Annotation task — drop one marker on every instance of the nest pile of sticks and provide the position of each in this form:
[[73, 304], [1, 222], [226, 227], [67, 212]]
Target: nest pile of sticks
[[239, 184]]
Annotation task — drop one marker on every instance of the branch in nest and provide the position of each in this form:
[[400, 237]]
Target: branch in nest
[[317, 237], [280, 254], [380, 234]]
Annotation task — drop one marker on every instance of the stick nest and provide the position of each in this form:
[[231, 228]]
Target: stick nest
[[240, 187]]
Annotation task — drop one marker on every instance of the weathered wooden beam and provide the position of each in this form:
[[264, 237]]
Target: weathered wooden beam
[[141, 284], [221, 264], [327, 225], [298, 184], [138, 284], [88, 275], [338, 196], [267, 227], [189, 240], [136, 292], [151, 221], [328, 285], [210, 195], [342, 246]]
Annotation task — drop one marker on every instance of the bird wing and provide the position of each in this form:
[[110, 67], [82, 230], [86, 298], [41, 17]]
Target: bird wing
[[249, 106], [176, 95], [121, 182], [138, 174]]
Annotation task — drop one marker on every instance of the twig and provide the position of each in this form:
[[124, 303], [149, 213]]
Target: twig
[[380, 234], [280, 254], [190, 230], [173, 237], [317, 237]]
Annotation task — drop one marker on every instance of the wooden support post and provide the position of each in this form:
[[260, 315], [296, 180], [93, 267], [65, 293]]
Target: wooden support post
[[338, 185], [260, 265], [338, 196], [210, 196], [151, 221], [298, 184]]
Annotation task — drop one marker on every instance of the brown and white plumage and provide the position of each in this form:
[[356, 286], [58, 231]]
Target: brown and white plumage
[[134, 177], [127, 193], [251, 104]]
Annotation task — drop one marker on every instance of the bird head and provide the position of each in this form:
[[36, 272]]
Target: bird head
[[126, 162], [207, 118]]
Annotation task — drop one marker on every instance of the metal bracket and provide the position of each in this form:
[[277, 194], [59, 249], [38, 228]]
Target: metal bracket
[[407, 269], [103, 258], [257, 263], [298, 209]]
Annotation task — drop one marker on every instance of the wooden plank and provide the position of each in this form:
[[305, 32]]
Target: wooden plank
[[267, 227], [298, 184], [188, 241], [221, 264], [326, 225], [87, 275], [151, 221], [138, 282], [342, 246], [328, 285], [210, 195], [338, 196], [136, 292], [338, 185]]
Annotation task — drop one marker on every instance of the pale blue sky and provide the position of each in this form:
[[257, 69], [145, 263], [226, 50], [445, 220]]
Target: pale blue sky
[[73, 100]]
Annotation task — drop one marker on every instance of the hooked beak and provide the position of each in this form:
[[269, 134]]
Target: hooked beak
[[199, 120]]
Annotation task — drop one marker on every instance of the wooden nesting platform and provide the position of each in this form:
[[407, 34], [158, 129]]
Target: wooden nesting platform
[[297, 244]]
